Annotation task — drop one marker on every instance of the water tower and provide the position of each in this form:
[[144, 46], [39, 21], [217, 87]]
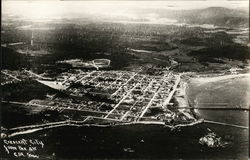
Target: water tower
[[32, 38]]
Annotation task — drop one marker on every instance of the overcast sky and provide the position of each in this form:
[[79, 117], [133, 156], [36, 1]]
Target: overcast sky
[[36, 10]]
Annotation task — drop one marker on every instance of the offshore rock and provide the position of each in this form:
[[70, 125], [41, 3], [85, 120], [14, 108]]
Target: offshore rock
[[212, 141]]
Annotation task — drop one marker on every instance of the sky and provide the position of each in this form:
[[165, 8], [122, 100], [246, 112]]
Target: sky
[[41, 10]]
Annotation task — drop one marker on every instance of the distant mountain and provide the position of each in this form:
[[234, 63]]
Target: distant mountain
[[218, 16]]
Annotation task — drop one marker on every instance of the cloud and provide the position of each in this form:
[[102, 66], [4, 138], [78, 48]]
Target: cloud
[[49, 10]]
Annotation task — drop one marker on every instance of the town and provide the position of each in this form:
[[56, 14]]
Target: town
[[115, 97]]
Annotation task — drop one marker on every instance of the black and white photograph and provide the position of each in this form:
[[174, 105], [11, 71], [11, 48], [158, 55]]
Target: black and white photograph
[[125, 79]]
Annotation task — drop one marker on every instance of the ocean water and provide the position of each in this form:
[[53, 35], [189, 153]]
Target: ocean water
[[138, 141]]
